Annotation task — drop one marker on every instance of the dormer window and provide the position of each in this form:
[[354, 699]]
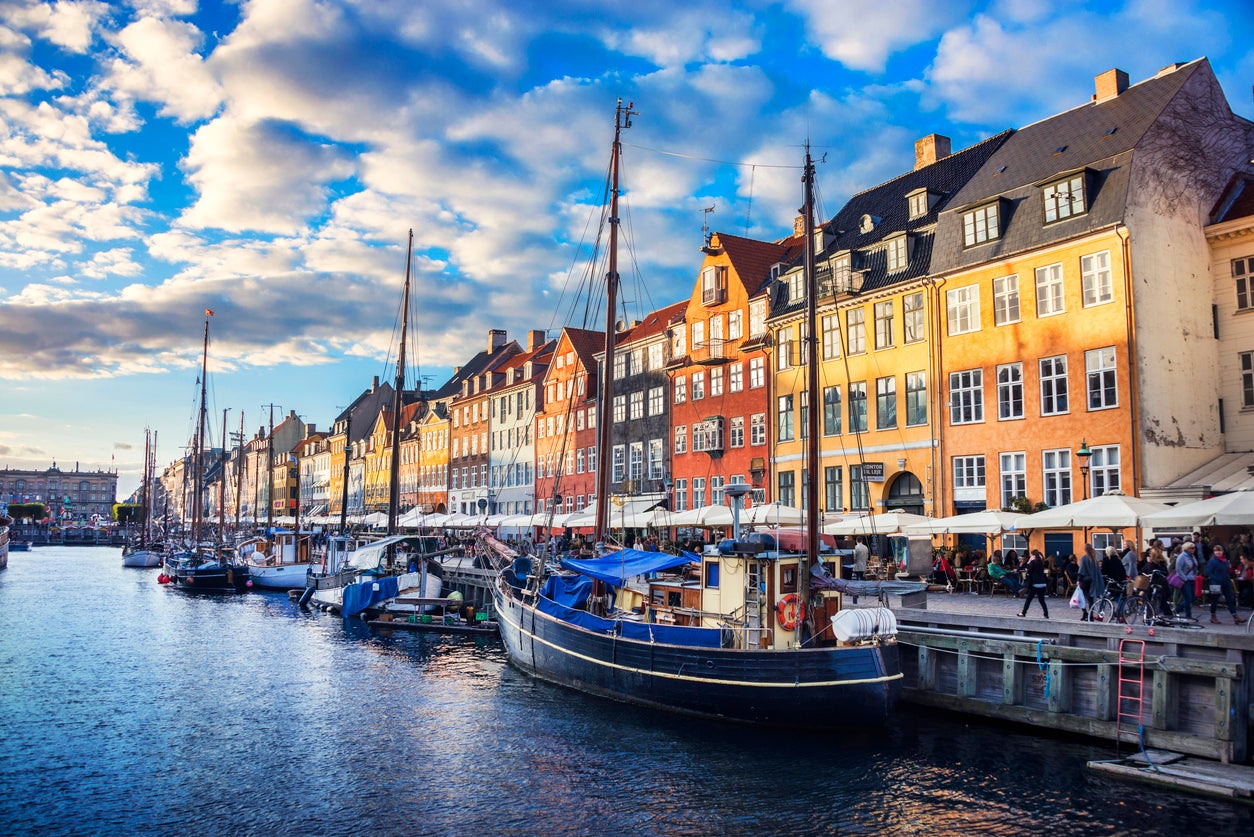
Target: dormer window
[[1064, 198], [896, 253], [868, 223], [981, 224], [920, 202], [714, 285], [796, 285], [842, 271]]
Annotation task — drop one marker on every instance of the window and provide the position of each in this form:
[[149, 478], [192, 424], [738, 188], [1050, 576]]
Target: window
[[716, 490], [1010, 391], [636, 401], [884, 324], [885, 403], [1014, 477], [592, 459], [1064, 198], [833, 490], [698, 386], [635, 460], [1104, 469], [1057, 472], [842, 273], [1095, 278], [698, 334], [855, 328], [620, 408], [1054, 385], [636, 366], [796, 286], [757, 429], [698, 491], [681, 389], [963, 307], [784, 425], [757, 317], [968, 472], [657, 401], [681, 438], [713, 285], [681, 494], [707, 436], [831, 336], [1049, 298], [966, 396], [895, 253], [678, 349], [831, 411], [655, 356], [618, 464], [716, 382], [912, 317], [1242, 273], [736, 438], [917, 203], [1102, 385], [859, 491], [736, 377], [579, 461], [757, 372], [787, 488], [916, 398], [783, 349], [1247, 378], [735, 325], [1005, 300], [980, 225], [620, 366], [857, 407]]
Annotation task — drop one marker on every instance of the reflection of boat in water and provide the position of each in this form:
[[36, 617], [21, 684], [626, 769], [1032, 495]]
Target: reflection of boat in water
[[751, 634]]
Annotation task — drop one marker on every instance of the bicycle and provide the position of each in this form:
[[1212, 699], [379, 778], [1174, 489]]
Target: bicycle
[[1113, 606]]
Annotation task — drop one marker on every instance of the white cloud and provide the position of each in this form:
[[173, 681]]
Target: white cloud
[[67, 23], [115, 262], [17, 75], [862, 34], [161, 64], [688, 35]]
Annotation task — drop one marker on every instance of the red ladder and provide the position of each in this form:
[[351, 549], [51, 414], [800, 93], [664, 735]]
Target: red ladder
[[1131, 688]]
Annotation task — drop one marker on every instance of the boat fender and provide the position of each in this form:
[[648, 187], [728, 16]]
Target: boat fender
[[248, 583], [790, 611], [860, 624]]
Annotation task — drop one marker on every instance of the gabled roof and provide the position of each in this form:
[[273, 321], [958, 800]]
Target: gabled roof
[[754, 259], [654, 323], [586, 344]]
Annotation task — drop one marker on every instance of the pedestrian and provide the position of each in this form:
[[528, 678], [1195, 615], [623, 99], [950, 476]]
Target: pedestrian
[[1219, 577], [1129, 560], [1035, 583], [1186, 568], [1090, 579], [861, 555]]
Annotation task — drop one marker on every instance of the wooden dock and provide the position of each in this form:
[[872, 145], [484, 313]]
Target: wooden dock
[[1176, 770]]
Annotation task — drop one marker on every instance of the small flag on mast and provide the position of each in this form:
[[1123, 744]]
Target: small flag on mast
[[208, 313]]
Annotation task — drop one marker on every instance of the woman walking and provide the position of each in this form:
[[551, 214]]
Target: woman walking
[[1091, 581], [1219, 577], [1186, 568], [1036, 582]]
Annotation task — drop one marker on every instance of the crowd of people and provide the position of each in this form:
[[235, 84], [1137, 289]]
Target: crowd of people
[[1191, 566]]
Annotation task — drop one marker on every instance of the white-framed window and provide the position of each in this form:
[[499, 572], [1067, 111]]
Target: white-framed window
[[1010, 391], [886, 402], [681, 494], [757, 372], [1103, 389], [1049, 291], [657, 401], [1246, 360], [620, 366], [716, 490], [681, 389], [963, 309], [635, 402], [912, 317], [1104, 470], [635, 461], [698, 492], [592, 459], [1095, 278], [713, 285], [895, 252], [1243, 278], [757, 429], [842, 273], [678, 342], [831, 336], [1014, 477], [1005, 300], [618, 464], [708, 435], [859, 491], [716, 330], [916, 398], [579, 461], [784, 349], [884, 324], [785, 418], [980, 225], [855, 329], [681, 438], [655, 356], [637, 363], [736, 377], [716, 382], [968, 472], [831, 411], [735, 325], [966, 396], [857, 407], [1064, 198], [698, 334], [1056, 471], [833, 489], [757, 317], [620, 408], [1054, 385], [796, 285], [698, 386], [736, 435], [916, 203]]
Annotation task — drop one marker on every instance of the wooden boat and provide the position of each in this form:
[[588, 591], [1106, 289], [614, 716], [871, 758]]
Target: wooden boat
[[747, 638], [143, 552]]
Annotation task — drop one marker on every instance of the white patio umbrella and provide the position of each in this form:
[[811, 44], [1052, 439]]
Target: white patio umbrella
[[1113, 510], [376, 519], [411, 518], [1235, 509], [987, 522], [771, 514], [705, 517], [877, 524]]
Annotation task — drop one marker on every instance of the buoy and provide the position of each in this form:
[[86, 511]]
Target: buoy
[[455, 596], [248, 583]]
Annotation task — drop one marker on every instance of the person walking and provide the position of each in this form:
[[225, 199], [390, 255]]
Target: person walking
[[1035, 584], [1186, 568], [861, 555], [1219, 577], [1091, 581]]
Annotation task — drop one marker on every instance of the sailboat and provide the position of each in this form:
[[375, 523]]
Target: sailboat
[[760, 645], [205, 566], [142, 552]]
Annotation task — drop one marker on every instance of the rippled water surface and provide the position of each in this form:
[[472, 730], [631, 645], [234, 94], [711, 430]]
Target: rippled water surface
[[130, 708]]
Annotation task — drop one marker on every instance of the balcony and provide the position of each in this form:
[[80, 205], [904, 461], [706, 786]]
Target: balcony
[[840, 284], [713, 296], [712, 352]]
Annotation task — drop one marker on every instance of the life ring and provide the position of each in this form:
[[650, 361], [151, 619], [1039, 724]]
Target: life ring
[[790, 611]]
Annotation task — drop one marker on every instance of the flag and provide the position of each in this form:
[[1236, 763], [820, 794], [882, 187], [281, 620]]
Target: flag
[[208, 313]]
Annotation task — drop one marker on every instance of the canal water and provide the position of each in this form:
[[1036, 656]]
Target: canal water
[[130, 708]]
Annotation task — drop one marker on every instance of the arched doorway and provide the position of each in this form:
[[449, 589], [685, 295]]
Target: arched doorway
[[905, 494]]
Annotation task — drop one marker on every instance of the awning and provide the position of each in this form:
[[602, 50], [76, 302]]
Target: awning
[[617, 567], [1224, 473]]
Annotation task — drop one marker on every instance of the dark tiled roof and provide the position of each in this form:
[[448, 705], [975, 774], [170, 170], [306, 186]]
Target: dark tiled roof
[[1099, 136], [1237, 202]]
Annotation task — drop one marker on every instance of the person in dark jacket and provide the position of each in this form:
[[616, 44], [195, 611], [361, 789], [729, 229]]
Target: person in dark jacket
[[1035, 583], [1091, 581], [1219, 577]]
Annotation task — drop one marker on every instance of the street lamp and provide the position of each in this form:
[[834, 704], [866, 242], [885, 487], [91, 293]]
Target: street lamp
[[1083, 454]]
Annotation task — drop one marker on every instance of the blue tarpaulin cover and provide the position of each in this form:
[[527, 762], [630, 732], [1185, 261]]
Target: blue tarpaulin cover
[[567, 591], [617, 567], [627, 629], [359, 596]]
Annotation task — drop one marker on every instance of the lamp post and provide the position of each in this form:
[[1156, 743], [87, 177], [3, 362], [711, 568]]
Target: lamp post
[[1083, 454]]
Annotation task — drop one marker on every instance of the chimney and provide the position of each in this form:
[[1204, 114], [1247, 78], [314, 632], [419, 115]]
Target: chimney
[[535, 339], [1110, 84], [799, 226], [496, 339], [374, 384], [928, 150]]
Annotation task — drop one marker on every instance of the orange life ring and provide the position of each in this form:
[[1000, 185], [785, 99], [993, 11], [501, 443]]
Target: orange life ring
[[790, 611]]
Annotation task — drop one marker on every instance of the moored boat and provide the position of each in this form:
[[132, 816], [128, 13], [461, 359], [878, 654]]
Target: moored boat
[[284, 566], [5, 521]]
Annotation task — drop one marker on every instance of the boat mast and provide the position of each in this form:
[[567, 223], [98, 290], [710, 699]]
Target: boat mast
[[143, 492], [622, 120], [198, 462], [222, 486], [239, 472], [348, 441], [270, 475], [812, 389], [398, 400]]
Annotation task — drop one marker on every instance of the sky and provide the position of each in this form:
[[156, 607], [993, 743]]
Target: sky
[[265, 159]]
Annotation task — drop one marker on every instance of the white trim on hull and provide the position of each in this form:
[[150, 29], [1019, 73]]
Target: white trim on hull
[[279, 577], [142, 558]]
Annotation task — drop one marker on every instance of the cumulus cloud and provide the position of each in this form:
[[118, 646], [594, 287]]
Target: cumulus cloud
[[862, 34], [161, 64], [69, 24]]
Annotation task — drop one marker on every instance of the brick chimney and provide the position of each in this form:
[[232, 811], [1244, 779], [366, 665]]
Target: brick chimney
[[496, 339], [535, 339], [928, 150], [1110, 84], [799, 226]]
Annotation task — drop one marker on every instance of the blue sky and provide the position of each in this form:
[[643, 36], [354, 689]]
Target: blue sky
[[266, 158]]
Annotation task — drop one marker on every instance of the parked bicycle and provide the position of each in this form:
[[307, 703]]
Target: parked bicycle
[[1115, 607]]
